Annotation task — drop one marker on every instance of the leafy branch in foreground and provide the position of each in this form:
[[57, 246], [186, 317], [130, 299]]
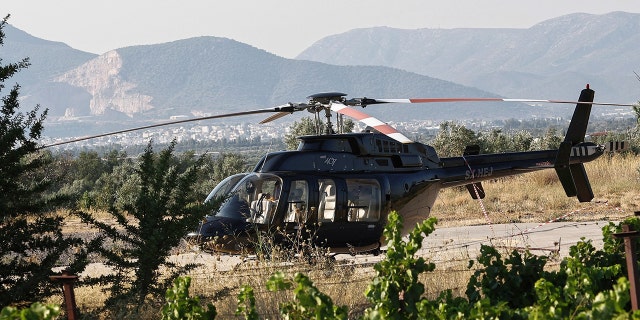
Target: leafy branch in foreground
[[308, 301], [395, 291], [37, 311], [180, 306]]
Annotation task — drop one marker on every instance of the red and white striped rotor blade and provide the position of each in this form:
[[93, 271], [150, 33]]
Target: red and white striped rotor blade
[[370, 121], [434, 100]]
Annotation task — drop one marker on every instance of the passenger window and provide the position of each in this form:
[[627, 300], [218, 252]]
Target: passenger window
[[327, 207], [297, 202], [363, 200]]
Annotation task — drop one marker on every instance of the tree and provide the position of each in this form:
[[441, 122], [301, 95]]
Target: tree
[[636, 108], [453, 138], [164, 208], [31, 239], [228, 164], [550, 140], [306, 126], [497, 141]]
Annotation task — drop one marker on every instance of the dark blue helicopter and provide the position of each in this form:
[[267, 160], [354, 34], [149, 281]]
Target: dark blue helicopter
[[341, 187], [337, 189]]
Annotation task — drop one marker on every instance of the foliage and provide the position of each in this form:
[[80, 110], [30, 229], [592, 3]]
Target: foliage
[[228, 164], [395, 292], [510, 280], [247, 304], [308, 303], [31, 241], [306, 126], [453, 138], [496, 141], [165, 208], [588, 285], [37, 311], [101, 181], [550, 140], [180, 306]]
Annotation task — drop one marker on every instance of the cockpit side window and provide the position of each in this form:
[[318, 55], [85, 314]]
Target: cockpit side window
[[363, 200], [297, 202], [263, 196]]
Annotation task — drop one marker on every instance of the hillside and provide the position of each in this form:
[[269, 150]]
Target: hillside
[[209, 75], [200, 76], [48, 59], [551, 59]]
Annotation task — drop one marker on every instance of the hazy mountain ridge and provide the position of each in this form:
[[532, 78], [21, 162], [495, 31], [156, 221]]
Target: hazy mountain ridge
[[551, 59], [211, 75]]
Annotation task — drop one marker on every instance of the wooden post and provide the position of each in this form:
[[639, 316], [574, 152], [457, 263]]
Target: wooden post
[[67, 280], [632, 265]]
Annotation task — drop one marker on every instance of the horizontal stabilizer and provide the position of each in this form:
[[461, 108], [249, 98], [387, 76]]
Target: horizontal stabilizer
[[581, 182], [572, 177], [566, 179]]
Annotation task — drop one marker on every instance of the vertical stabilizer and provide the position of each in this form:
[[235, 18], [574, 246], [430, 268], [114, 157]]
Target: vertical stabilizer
[[573, 176]]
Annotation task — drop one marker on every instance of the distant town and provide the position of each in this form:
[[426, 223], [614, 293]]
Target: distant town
[[213, 133], [268, 133]]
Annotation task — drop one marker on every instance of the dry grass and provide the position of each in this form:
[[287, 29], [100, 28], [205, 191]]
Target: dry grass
[[533, 197], [539, 197]]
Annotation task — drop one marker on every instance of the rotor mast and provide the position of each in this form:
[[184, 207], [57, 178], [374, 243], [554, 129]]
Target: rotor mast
[[323, 101]]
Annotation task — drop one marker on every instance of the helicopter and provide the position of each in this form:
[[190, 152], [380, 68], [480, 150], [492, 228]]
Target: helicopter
[[338, 188]]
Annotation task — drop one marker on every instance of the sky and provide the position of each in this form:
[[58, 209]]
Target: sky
[[282, 27]]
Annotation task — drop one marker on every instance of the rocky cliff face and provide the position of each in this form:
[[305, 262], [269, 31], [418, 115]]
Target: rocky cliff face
[[101, 78]]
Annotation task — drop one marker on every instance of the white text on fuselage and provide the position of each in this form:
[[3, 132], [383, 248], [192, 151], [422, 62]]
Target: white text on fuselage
[[330, 161], [478, 173]]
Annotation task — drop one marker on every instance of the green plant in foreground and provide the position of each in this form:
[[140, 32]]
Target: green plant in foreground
[[247, 304], [37, 311], [510, 280], [180, 306], [586, 286], [308, 303], [395, 291]]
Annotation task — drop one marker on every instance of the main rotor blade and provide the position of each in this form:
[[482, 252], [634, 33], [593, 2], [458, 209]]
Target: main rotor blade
[[367, 101], [275, 117], [284, 108], [370, 121]]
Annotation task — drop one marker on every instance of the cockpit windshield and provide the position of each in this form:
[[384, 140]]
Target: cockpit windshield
[[225, 186], [254, 197]]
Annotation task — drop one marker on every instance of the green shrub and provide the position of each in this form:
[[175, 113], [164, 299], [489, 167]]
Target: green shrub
[[180, 306], [37, 311]]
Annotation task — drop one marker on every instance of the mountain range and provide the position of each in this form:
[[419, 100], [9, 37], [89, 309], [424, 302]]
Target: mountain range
[[210, 75], [551, 59]]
